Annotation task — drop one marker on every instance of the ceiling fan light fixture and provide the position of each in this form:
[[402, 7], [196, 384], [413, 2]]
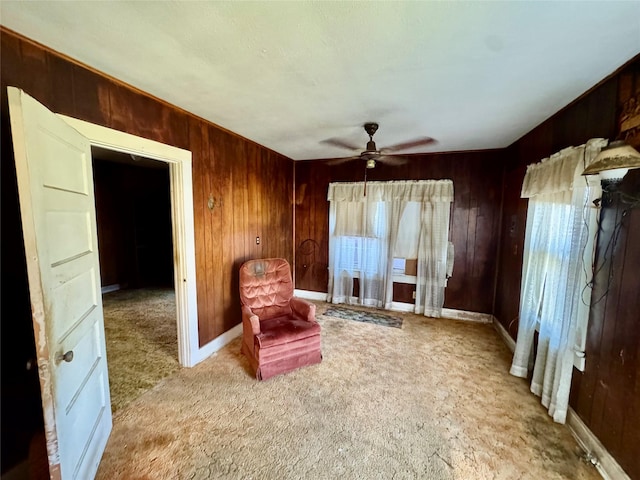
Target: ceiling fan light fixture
[[371, 163]]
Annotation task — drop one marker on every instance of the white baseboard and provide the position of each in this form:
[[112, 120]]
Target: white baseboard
[[467, 316], [402, 307], [510, 342], [310, 295], [110, 288], [217, 343], [608, 467], [447, 313], [408, 307]]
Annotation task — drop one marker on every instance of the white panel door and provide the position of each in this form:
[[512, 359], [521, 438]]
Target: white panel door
[[55, 185]]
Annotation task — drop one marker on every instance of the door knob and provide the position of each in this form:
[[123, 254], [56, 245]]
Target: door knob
[[67, 357]]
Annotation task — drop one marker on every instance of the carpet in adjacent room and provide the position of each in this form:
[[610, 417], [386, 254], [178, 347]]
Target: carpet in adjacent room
[[142, 341]]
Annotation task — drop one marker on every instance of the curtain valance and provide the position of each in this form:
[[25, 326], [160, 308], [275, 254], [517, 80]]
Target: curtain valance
[[557, 173], [405, 190]]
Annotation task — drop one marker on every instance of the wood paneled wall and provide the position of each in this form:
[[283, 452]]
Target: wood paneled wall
[[477, 184], [252, 186], [133, 212], [606, 395]]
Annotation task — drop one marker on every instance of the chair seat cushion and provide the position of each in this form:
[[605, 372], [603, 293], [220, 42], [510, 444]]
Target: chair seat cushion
[[279, 330]]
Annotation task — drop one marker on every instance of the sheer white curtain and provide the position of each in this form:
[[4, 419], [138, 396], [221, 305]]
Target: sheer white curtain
[[423, 233], [432, 257], [396, 208], [554, 295], [364, 235], [358, 244]]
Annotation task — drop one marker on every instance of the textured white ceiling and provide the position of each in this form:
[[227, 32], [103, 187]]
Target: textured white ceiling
[[473, 75]]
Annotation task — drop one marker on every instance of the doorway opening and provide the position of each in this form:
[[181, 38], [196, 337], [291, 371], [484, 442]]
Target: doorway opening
[[133, 214], [190, 352]]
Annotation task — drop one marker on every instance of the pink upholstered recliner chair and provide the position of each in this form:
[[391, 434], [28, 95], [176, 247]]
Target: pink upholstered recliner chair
[[280, 332]]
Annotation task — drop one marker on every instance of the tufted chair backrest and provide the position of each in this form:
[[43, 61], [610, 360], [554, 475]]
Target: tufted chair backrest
[[266, 287]]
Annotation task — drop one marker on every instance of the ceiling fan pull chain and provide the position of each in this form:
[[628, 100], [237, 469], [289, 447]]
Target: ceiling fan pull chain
[[365, 181]]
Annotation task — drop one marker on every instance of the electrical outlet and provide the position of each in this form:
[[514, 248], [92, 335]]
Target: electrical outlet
[[413, 295], [257, 240]]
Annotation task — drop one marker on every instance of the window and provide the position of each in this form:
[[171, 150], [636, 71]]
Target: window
[[399, 266], [556, 274], [409, 231], [363, 241], [359, 254]]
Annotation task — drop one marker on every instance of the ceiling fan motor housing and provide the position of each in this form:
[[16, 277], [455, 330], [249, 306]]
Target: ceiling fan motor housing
[[371, 128]]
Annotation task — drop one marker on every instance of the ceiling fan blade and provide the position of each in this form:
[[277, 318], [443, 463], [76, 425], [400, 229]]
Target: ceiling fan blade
[[418, 142], [336, 142], [392, 159], [339, 161]]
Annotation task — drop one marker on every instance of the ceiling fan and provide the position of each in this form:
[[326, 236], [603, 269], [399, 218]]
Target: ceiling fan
[[372, 154]]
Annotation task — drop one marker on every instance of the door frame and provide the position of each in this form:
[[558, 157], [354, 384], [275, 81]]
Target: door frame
[[181, 185]]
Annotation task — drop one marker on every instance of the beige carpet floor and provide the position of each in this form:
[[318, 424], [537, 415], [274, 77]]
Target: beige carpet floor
[[142, 341], [432, 400]]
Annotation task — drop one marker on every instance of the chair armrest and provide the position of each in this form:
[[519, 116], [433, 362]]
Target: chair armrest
[[250, 321], [303, 309]]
